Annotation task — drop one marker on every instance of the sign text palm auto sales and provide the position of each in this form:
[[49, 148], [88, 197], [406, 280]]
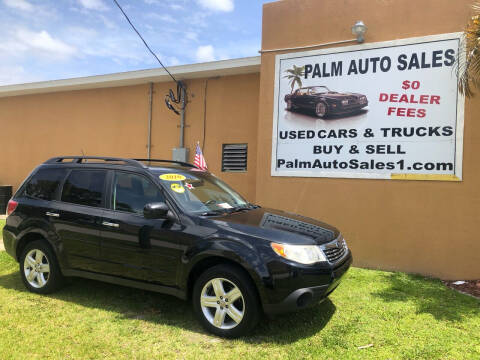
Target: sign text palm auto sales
[[410, 125]]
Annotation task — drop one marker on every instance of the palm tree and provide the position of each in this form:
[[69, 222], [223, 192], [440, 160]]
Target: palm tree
[[469, 72], [295, 76]]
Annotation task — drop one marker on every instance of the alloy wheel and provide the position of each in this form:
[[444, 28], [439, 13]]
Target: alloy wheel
[[222, 303], [36, 268]]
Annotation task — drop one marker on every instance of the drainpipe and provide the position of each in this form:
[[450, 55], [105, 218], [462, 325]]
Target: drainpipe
[[150, 110], [182, 117]]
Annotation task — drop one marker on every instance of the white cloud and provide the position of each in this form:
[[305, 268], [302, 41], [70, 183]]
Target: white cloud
[[217, 5], [41, 43], [93, 5], [19, 5], [114, 46], [205, 53], [15, 74], [191, 35], [163, 17]]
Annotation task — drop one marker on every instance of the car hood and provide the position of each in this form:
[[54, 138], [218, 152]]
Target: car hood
[[280, 226]]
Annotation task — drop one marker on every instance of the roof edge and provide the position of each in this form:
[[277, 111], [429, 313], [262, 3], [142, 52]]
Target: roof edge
[[182, 72]]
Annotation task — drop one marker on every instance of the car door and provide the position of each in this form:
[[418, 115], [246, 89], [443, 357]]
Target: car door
[[77, 215], [133, 246]]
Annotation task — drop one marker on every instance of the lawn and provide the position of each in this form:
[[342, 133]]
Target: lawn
[[403, 316]]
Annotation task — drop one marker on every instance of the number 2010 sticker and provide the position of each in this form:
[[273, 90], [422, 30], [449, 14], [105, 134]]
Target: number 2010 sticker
[[172, 177]]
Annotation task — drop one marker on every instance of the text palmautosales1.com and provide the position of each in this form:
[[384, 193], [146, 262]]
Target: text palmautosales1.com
[[356, 164]]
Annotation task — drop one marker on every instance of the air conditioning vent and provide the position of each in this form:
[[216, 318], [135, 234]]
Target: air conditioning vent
[[234, 157]]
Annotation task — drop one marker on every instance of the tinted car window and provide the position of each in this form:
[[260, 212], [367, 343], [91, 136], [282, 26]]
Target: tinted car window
[[84, 187], [198, 192], [45, 183], [132, 192]]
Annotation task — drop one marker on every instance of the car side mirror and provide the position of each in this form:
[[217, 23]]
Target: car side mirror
[[157, 210]]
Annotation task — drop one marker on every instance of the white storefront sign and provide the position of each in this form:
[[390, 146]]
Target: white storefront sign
[[388, 110]]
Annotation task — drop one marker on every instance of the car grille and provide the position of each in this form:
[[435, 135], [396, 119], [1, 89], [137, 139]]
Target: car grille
[[335, 250], [352, 100]]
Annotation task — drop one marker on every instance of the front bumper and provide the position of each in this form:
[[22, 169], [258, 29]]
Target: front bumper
[[307, 296], [9, 241], [339, 110]]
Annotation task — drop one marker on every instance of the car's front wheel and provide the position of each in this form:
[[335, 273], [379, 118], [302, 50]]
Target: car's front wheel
[[321, 109], [226, 301], [39, 268]]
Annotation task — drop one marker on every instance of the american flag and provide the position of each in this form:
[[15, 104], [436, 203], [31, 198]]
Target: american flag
[[199, 160]]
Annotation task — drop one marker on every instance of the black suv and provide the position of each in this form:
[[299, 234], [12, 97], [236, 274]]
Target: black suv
[[174, 229]]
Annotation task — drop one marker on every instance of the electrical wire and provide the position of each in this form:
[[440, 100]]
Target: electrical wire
[[148, 47]]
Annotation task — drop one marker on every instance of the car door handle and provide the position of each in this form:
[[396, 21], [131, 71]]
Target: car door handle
[[52, 214], [106, 223]]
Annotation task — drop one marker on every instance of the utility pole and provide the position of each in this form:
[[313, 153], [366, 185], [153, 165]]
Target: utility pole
[[181, 153]]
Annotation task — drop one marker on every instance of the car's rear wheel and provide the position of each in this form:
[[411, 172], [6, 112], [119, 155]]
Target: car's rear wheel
[[321, 109], [39, 268], [226, 301]]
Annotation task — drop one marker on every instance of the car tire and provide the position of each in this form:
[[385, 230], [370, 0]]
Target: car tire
[[321, 109], [39, 268], [216, 312]]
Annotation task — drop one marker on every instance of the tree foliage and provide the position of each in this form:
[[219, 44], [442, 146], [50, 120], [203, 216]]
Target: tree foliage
[[295, 75], [469, 71]]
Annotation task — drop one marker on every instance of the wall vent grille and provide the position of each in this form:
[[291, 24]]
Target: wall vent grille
[[234, 157]]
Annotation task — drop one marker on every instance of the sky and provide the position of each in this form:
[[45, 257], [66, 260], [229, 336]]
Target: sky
[[58, 39]]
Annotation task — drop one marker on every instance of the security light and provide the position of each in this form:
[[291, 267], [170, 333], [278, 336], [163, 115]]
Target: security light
[[359, 29]]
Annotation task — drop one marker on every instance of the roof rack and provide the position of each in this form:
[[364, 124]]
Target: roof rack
[[132, 162], [167, 161], [84, 159]]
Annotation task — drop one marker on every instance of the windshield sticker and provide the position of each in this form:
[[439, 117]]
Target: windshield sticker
[[225, 206], [189, 186], [172, 177], [177, 188]]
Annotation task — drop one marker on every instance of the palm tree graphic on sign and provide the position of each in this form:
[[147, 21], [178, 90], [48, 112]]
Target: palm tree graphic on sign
[[295, 75]]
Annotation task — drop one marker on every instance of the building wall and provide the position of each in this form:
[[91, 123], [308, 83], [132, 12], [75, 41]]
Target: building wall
[[114, 122], [426, 227]]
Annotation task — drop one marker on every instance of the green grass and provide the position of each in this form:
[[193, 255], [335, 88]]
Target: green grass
[[403, 316]]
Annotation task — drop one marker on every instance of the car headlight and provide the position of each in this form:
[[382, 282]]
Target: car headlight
[[303, 254], [344, 102]]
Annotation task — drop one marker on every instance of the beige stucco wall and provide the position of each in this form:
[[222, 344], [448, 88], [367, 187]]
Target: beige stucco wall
[[415, 226], [114, 122]]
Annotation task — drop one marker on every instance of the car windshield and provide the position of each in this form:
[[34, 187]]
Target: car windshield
[[319, 89], [200, 192]]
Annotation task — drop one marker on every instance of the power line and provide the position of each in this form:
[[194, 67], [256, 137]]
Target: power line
[[148, 47]]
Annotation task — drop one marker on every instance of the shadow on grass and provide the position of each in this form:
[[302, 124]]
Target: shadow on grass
[[131, 303], [429, 296]]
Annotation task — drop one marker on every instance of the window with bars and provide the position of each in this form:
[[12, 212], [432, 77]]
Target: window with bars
[[234, 157]]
